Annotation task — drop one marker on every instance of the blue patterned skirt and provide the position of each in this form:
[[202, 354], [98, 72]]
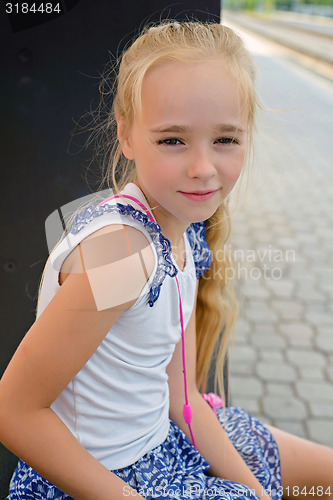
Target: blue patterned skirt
[[174, 469]]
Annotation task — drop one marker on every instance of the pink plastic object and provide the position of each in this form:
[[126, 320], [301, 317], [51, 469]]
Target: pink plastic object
[[213, 400], [187, 413]]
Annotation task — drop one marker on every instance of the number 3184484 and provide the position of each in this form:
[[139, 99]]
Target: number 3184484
[[315, 491], [33, 8]]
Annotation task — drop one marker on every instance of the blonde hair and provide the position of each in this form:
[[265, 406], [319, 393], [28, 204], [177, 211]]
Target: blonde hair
[[190, 42]]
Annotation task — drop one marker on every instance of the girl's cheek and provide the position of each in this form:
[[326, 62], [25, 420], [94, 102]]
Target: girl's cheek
[[235, 172], [230, 182]]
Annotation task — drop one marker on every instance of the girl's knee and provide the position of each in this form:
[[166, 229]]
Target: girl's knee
[[306, 467]]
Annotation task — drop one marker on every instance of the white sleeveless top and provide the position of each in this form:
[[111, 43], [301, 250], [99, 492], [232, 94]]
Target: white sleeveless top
[[117, 406]]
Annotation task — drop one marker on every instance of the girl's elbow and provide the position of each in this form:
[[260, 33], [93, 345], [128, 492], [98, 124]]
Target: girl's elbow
[[6, 421], [15, 424], [4, 413], [12, 414]]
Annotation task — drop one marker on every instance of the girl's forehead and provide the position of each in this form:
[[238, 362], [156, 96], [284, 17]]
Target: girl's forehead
[[177, 91], [176, 69]]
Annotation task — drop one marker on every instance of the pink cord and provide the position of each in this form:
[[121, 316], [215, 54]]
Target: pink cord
[[187, 410], [131, 198]]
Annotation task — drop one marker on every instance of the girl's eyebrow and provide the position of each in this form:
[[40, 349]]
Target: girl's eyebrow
[[221, 127]]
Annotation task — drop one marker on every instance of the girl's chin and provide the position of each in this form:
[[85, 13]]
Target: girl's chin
[[200, 215]]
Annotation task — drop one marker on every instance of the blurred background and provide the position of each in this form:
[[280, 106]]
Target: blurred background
[[282, 243], [312, 7]]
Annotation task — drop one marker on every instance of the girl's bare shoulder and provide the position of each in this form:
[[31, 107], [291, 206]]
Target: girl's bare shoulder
[[118, 260]]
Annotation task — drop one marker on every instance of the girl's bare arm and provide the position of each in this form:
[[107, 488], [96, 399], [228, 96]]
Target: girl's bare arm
[[53, 351], [211, 440]]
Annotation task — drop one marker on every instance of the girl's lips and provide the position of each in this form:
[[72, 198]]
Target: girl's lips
[[199, 197]]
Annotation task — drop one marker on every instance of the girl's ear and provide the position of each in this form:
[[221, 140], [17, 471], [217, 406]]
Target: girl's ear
[[124, 138]]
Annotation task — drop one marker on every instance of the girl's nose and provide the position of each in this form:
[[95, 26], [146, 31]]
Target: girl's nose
[[201, 165]]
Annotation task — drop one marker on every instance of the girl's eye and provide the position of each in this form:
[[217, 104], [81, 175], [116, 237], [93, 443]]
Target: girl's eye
[[169, 142], [227, 140]]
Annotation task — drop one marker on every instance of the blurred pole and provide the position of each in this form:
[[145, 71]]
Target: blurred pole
[[294, 5]]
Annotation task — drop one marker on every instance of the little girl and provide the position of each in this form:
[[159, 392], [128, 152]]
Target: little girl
[[134, 297]]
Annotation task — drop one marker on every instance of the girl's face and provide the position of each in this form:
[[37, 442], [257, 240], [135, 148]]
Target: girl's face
[[192, 137]]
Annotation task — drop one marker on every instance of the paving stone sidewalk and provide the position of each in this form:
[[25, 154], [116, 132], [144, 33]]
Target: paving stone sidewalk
[[282, 242]]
